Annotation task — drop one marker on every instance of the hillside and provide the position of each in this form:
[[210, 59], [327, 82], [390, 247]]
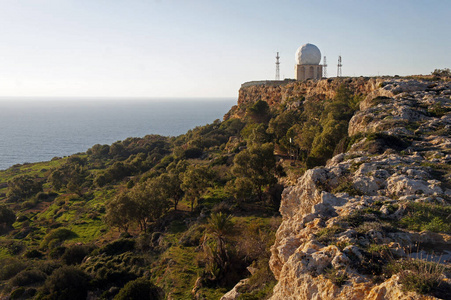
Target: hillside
[[322, 189]]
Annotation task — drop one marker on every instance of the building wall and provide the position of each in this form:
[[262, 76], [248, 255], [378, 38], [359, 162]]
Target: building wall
[[303, 72]]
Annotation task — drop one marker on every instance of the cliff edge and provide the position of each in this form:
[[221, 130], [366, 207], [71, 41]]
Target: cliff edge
[[369, 222]]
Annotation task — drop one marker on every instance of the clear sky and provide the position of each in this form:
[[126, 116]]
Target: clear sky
[[200, 48]]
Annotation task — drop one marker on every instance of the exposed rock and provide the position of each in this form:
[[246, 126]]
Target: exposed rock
[[412, 119], [234, 293], [292, 93]]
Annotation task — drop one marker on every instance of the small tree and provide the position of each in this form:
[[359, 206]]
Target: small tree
[[171, 187], [120, 212], [23, 186], [150, 201], [257, 165], [195, 180], [259, 112], [71, 175]]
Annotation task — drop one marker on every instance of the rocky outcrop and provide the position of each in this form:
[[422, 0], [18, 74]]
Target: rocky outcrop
[[291, 92], [340, 221]]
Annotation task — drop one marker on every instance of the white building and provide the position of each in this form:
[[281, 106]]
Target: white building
[[307, 66]]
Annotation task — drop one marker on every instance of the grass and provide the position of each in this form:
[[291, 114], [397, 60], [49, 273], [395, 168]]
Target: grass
[[419, 275], [176, 272], [337, 276], [347, 187], [88, 231], [427, 216], [326, 235]]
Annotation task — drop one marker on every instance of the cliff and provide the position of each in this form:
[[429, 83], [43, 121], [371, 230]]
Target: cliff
[[275, 94], [351, 229]]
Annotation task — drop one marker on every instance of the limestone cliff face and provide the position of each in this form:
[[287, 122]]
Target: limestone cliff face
[[281, 93], [375, 179]]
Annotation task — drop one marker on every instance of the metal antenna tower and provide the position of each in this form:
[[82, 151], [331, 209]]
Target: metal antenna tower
[[324, 67], [339, 66], [277, 67]]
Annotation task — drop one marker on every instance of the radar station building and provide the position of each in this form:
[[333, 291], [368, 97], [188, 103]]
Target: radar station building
[[307, 66]]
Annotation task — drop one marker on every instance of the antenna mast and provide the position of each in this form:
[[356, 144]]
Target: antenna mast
[[277, 67], [324, 67], [339, 66]]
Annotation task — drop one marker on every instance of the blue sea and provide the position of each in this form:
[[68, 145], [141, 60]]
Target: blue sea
[[33, 130]]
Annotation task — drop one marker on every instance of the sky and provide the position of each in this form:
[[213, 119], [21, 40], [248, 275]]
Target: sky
[[200, 48]]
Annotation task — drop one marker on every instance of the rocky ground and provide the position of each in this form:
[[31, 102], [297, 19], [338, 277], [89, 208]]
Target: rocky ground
[[351, 229]]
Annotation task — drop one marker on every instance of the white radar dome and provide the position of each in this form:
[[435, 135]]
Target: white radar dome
[[308, 54]]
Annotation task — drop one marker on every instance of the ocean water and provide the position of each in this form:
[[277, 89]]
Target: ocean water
[[33, 130]]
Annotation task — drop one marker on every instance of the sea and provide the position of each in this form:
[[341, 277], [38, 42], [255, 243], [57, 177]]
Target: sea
[[34, 130]]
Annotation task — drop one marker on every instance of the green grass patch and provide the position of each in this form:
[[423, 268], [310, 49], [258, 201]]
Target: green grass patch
[[88, 231], [177, 271], [426, 216]]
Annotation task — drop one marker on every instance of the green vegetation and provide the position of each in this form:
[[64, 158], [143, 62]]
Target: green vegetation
[[421, 276], [426, 216], [446, 72], [163, 216]]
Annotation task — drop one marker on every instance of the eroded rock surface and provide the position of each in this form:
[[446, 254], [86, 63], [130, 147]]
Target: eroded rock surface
[[341, 223]]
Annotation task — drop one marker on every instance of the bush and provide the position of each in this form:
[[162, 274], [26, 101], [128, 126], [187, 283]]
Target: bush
[[58, 235], [7, 218], [28, 277], [420, 276], [23, 186], [117, 270], [118, 247], [33, 253], [75, 254], [442, 72], [192, 153], [337, 276], [66, 283], [9, 267], [139, 289]]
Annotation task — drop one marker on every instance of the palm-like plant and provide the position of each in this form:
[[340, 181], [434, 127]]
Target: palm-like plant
[[218, 227]]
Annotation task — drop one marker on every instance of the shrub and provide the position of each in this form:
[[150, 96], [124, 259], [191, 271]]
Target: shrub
[[28, 277], [23, 186], [33, 253], [327, 235], [7, 218], [47, 266], [66, 283], [337, 276], [446, 72], [9, 267], [107, 271], [379, 142], [58, 235], [75, 254], [118, 247], [347, 187], [192, 153], [139, 289], [418, 275]]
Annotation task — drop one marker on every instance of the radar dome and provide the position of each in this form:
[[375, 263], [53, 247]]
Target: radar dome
[[308, 54]]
